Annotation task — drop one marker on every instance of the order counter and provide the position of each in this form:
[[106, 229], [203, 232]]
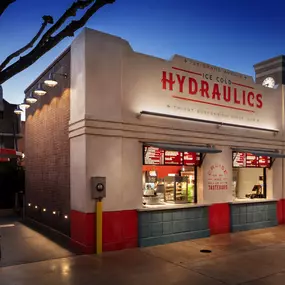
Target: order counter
[[166, 223], [250, 214], [161, 224]]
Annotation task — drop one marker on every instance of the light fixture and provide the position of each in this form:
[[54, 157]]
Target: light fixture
[[24, 105], [31, 98], [44, 210], [18, 110], [54, 212], [40, 91], [51, 81], [66, 217], [29, 204], [36, 207]]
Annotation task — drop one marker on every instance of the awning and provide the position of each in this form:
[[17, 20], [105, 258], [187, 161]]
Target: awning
[[258, 152], [183, 148], [9, 153]]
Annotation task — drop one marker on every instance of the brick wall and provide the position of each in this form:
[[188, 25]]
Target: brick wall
[[47, 160], [21, 141]]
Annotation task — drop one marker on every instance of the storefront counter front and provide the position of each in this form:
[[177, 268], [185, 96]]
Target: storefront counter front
[[169, 206], [253, 214], [172, 223]]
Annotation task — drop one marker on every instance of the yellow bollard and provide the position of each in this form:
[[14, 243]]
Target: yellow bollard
[[99, 208]]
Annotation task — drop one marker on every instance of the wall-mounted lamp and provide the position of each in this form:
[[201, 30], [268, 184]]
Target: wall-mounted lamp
[[39, 90], [24, 105], [18, 110], [51, 81], [31, 98]]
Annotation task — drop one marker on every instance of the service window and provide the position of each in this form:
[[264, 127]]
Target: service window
[[249, 175], [169, 176]]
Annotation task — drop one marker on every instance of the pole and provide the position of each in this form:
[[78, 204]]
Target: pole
[[99, 207], [282, 138]]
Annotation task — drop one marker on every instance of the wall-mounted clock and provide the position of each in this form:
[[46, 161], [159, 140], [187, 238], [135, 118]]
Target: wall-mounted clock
[[269, 82]]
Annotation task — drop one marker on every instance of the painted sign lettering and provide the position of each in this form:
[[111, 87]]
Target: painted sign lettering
[[222, 91]]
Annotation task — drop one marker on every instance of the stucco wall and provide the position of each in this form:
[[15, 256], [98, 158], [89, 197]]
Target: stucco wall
[[120, 83]]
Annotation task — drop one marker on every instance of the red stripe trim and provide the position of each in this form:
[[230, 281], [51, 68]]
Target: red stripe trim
[[184, 70], [213, 104], [238, 84]]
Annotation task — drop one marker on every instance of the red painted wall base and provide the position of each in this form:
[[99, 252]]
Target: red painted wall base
[[120, 230], [281, 211], [219, 218]]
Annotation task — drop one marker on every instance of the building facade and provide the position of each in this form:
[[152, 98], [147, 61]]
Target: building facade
[[10, 128], [187, 149], [10, 133]]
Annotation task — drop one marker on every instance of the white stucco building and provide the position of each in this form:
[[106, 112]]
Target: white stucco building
[[188, 149]]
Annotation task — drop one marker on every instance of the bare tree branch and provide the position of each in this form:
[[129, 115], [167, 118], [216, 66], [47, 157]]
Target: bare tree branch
[[47, 20], [47, 42], [70, 12], [4, 4]]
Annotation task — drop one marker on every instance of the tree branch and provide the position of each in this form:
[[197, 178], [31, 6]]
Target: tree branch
[[47, 20], [47, 42], [70, 12], [4, 4]]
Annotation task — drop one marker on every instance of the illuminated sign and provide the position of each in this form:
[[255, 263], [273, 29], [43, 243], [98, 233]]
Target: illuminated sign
[[156, 156], [242, 159]]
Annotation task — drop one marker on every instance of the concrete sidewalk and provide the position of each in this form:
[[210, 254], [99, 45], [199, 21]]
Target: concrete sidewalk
[[21, 244], [252, 258]]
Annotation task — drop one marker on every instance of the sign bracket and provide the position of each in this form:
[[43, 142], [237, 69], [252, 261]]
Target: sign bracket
[[272, 162], [203, 155]]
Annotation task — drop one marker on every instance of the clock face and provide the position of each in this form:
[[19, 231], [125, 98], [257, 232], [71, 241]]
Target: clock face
[[268, 82]]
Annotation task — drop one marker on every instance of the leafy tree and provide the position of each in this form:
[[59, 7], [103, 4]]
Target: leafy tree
[[47, 38]]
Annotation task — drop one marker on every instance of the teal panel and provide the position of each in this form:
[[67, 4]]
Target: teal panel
[[254, 215], [165, 226]]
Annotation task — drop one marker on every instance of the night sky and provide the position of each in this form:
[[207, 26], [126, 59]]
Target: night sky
[[231, 34]]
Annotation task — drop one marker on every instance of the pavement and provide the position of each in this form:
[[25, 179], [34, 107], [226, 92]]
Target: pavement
[[252, 258], [21, 244]]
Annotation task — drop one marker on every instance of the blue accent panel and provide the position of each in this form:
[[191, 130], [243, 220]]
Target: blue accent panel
[[172, 225], [250, 216], [167, 216]]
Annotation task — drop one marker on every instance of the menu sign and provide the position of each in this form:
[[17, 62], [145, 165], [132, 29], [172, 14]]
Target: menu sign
[[173, 157], [191, 158], [241, 159], [156, 156], [251, 160], [153, 156], [264, 161]]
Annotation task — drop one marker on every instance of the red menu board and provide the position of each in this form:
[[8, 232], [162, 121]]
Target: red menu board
[[191, 158], [239, 159], [264, 161], [173, 157], [153, 156], [251, 160]]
